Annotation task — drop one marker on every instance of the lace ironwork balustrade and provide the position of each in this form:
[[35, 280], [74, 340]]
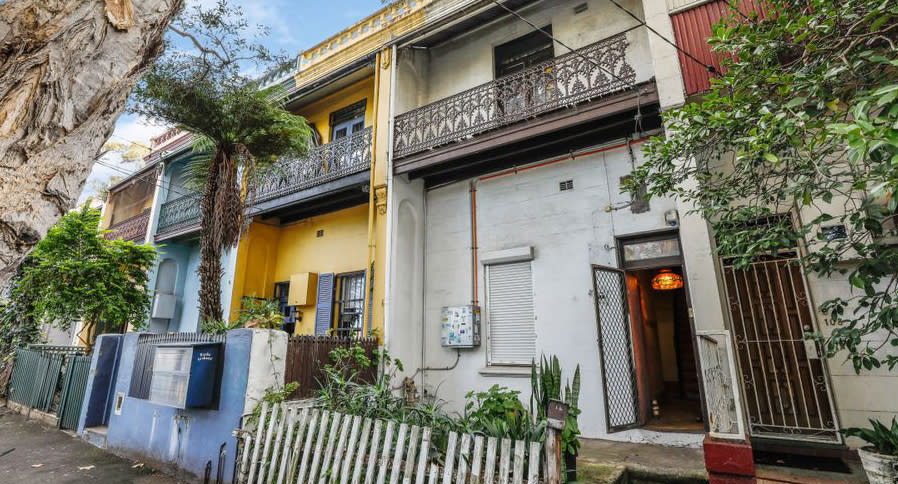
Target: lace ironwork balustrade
[[179, 213], [322, 164], [132, 228], [563, 81]]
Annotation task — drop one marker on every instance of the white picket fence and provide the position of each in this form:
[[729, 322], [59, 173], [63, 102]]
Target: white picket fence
[[298, 443]]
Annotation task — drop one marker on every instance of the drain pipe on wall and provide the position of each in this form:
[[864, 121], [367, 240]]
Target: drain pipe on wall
[[474, 268], [369, 262], [388, 267]]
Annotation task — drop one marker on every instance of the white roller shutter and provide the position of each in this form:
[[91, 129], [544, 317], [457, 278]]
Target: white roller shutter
[[509, 305]]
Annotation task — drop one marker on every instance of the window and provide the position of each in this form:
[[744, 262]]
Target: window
[[281, 293], [348, 120], [531, 87], [171, 374], [523, 52], [349, 303], [510, 315]]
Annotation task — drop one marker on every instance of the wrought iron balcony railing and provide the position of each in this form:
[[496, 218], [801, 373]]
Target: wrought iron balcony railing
[[132, 228], [590, 72], [178, 214], [322, 164]]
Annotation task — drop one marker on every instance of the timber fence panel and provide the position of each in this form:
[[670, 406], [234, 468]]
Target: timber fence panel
[[308, 354], [303, 445], [360, 453]]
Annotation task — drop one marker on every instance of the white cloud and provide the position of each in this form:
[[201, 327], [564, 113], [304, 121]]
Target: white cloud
[[129, 128]]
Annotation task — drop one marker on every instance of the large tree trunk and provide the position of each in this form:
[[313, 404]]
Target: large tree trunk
[[66, 68], [221, 211]]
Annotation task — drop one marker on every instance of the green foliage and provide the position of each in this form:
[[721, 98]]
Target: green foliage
[[805, 117], [545, 382], [883, 439], [498, 412], [274, 396], [75, 274], [219, 326], [260, 313], [239, 129]]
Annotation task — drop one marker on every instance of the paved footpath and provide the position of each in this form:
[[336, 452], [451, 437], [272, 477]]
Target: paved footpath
[[31, 453]]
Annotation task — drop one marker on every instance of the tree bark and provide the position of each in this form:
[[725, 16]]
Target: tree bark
[[66, 69], [221, 211]]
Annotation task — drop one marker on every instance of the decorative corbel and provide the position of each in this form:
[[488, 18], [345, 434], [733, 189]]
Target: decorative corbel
[[380, 199]]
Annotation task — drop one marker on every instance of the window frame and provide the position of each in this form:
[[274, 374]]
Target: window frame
[[351, 118], [339, 303]]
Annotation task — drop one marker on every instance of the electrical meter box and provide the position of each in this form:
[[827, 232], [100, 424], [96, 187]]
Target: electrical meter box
[[460, 326], [186, 375]]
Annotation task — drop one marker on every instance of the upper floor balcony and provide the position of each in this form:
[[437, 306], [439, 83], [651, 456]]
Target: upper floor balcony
[[289, 181], [323, 169], [133, 228], [178, 217], [591, 72]]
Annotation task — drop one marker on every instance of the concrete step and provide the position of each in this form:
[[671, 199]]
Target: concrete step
[[95, 436]]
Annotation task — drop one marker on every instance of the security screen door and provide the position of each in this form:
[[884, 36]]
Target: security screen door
[[615, 348], [785, 386]]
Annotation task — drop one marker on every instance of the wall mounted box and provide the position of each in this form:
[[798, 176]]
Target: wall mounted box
[[303, 289], [460, 326], [186, 375], [163, 306]]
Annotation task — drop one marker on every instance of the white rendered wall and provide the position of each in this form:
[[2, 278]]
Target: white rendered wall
[[568, 231], [467, 60]]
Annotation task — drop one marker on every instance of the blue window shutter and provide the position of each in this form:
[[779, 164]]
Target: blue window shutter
[[324, 311]]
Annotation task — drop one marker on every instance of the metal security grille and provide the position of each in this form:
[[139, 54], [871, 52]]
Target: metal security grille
[[509, 305], [615, 348], [784, 379], [146, 351], [350, 303]]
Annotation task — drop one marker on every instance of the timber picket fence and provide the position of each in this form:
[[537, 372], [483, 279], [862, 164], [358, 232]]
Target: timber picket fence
[[295, 442]]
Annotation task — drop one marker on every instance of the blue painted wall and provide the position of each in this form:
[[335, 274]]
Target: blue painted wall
[[186, 255], [190, 438]]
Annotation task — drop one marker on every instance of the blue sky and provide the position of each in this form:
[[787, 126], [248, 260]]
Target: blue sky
[[294, 25]]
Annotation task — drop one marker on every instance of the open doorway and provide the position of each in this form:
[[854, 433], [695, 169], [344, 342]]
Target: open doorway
[[663, 350], [646, 341]]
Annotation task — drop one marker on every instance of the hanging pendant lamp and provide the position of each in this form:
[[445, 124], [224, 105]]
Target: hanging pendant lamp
[[667, 280]]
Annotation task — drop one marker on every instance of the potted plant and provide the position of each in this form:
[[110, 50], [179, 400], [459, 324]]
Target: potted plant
[[880, 458]]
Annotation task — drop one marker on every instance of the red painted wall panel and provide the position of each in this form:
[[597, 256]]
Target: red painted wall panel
[[692, 28]]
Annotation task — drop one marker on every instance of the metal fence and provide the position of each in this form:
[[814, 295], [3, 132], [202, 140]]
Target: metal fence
[[51, 379], [307, 355], [146, 352]]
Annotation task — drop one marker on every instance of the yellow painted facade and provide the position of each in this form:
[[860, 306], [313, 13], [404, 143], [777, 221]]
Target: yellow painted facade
[[268, 254], [354, 239], [318, 113]]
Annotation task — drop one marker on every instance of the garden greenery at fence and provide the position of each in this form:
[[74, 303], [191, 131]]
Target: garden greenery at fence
[[496, 412]]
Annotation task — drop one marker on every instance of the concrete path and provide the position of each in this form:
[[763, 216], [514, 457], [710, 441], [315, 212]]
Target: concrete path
[[609, 462], [33, 454]]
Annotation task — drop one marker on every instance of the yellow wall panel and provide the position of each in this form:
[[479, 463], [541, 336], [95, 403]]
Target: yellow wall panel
[[271, 254], [319, 111]]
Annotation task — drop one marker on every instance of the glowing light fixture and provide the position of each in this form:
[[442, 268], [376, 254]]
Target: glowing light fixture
[[666, 280]]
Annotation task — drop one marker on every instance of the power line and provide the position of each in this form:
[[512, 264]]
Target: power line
[[571, 49], [710, 68], [637, 118], [171, 185]]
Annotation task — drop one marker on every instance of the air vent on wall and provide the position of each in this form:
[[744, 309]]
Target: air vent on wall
[[320, 233], [566, 185], [581, 8]]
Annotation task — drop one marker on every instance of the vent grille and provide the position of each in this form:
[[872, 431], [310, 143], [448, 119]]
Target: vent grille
[[581, 8], [566, 185], [320, 233]]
